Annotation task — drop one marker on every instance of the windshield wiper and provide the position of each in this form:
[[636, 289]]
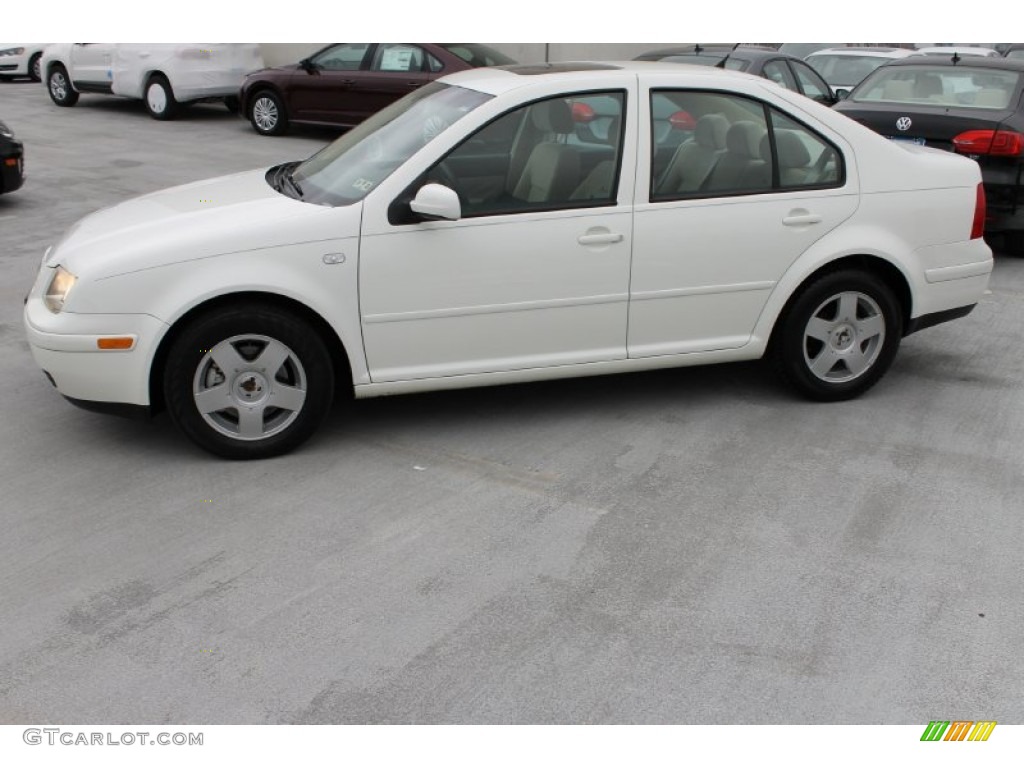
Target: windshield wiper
[[286, 176]]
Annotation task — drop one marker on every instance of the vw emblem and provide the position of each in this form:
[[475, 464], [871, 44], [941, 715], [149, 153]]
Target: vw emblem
[[903, 123]]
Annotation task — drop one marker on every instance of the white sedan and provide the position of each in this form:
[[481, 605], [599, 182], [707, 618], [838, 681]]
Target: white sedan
[[21, 60], [513, 224]]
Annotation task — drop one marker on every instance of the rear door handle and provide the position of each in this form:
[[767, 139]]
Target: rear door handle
[[801, 219], [599, 239], [414, 84]]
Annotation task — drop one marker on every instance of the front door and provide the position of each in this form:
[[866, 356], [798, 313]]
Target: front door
[[326, 93], [535, 273], [91, 65]]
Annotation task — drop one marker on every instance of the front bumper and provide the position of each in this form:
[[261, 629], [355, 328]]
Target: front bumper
[[64, 345]]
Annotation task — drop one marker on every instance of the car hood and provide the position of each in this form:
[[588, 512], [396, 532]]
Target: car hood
[[230, 214]]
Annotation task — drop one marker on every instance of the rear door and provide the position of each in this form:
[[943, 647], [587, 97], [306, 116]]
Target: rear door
[[394, 70], [706, 257]]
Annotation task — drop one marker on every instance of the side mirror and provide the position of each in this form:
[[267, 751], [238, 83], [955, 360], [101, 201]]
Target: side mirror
[[308, 65], [842, 93], [436, 201]]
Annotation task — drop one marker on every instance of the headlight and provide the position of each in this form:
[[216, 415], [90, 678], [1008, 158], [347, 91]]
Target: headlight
[[5, 131], [57, 292], [12, 52]]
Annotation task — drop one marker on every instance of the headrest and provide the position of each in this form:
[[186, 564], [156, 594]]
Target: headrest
[[552, 116], [791, 150], [744, 139], [710, 131]]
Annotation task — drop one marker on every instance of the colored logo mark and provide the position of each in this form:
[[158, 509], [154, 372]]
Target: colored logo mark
[[958, 730]]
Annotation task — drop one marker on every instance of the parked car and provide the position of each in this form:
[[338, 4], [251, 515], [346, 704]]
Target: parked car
[[344, 83], [12, 160], [164, 76], [21, 60], [1014, 51], [478, 232], [788, 71], [971, 106], [844, 67]]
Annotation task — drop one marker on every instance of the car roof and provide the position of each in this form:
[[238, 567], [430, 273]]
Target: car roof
[[499, 80], [716, 51], [974, 62], [887, 52]]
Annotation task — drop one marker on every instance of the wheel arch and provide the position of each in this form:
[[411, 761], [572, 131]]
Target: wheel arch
[[882, 268], [52, 64], [335, 346], [256, 89]]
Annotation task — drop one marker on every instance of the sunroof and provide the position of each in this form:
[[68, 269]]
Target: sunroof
[[555, 67]]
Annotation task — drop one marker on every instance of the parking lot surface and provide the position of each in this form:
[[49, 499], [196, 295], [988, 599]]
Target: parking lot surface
[[683, 546]]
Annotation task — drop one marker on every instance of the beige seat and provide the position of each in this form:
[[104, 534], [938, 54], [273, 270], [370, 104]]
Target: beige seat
[[695, 158], [741, 168], [792, 156], [600, 182], [552, 170]]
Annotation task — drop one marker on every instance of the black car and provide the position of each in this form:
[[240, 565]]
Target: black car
[[788, 71], [969, 105], [12, 160]]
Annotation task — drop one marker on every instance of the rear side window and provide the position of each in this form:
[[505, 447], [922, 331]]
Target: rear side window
[[708, 144], [959, 86]]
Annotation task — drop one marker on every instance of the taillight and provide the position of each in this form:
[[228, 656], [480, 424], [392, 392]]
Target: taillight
[[978, 226], [984, 142]]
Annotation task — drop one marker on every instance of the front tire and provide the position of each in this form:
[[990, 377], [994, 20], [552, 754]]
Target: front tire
[[159, 98], [34, 72], [248, 382], [267, 114], [58, 84], [838, 336]]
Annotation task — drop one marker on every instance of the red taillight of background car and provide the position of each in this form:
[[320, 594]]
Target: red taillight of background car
[[978, 227], [682, 121], [986, 142], [582, 113]]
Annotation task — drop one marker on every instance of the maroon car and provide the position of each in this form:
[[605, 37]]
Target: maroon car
[[345, 83]]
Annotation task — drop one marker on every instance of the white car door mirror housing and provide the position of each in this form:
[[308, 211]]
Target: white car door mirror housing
[[436, 201]]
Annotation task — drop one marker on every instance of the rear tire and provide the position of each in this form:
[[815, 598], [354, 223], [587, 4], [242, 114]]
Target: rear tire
[[58, 84], [838, 336], [159, 98], [248, 381]]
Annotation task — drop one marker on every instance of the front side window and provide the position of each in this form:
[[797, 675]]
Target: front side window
[[563, 152], [342, 57], [351, 167], [952, 86], [709, 144]]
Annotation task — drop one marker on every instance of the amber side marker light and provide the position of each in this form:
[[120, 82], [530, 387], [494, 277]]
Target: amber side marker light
[[116, 342]]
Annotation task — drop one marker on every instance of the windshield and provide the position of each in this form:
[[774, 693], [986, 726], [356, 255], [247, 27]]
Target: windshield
[[958, 86], [845, 70], [348, 169], [477, 55], [800, 50]]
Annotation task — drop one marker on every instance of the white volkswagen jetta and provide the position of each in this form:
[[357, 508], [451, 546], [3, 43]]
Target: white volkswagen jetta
[[513, 224]]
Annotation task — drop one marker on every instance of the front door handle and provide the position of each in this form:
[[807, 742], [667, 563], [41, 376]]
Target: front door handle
[[599, 239], [801, 219], [414, 84]]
